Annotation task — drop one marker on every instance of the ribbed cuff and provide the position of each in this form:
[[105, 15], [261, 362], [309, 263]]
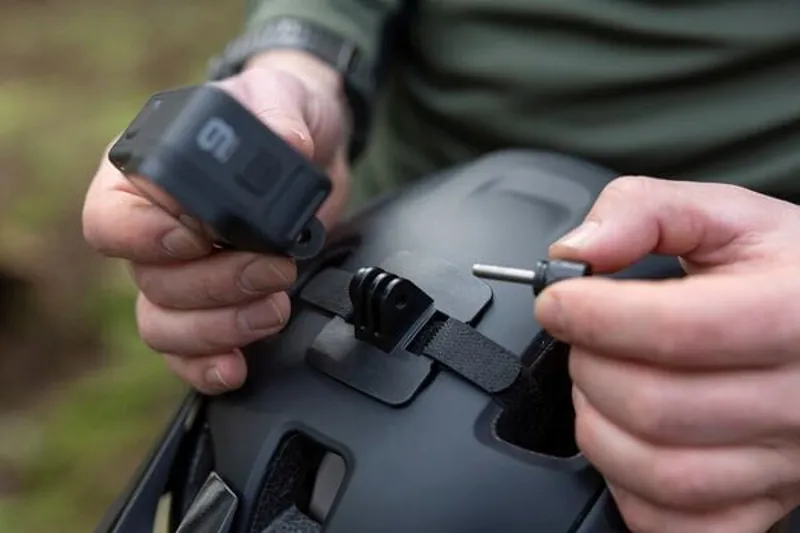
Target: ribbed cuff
[[348, 18]]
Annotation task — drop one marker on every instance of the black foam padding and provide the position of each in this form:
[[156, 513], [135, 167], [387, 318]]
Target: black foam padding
[[289, 479], [539, 415], [293, 521]]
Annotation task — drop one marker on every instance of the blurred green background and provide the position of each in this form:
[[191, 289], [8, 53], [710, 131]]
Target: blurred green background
[[81, 398]]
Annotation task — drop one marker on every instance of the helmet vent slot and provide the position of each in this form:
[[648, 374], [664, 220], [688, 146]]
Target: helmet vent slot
[[539, 415], [301, 486]]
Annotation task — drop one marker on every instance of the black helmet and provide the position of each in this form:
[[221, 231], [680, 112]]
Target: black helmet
[[405, 395]]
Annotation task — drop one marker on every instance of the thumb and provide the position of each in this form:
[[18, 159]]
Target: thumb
[[279, 100], [706, 224]]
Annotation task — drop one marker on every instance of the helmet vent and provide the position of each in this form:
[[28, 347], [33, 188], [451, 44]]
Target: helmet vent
[[302, 484], [539, 415]]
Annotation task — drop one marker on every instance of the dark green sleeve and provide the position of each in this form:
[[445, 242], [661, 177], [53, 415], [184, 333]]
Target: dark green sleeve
[[361, 21]]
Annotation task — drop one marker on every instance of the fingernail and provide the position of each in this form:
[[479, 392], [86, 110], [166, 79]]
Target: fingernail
[[580, 236], [263, 317], [214, 379], [265, 274], [180, 243]]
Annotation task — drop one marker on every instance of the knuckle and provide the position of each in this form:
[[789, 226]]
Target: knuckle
[[677, 482], [189, 371], [665, 347], [212, 290], [147, 324], [149, 283], [782, 504], [629, 187], [585, 318], [678, 334], [223, 330], [112, 239], [584, 438], [648, 411], [637, 517], [92, 227], [218, 335], [732, 190]]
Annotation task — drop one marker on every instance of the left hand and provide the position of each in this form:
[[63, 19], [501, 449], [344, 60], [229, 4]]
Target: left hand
[[687, 391], [197, 305]]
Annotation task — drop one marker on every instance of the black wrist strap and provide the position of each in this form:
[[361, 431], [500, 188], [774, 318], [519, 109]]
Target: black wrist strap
[[340, 53]]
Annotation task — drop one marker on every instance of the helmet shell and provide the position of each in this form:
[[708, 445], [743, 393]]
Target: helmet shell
[[437, 464]]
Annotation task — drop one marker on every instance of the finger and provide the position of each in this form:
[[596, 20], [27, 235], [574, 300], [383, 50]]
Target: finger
[[642, 516], [336, 204], [706, 223], [210, 331], [219, 280], [665, 407], [679, 478], [118, 221], [211, 374], [704, 321]]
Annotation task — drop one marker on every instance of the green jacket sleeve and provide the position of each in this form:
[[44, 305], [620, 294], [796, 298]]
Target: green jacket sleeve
[[361, 21]]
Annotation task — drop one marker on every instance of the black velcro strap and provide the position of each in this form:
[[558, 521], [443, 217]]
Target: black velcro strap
[[474, 357], [328, 290]]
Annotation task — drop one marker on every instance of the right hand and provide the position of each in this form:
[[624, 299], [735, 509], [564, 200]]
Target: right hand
[[197, 305]]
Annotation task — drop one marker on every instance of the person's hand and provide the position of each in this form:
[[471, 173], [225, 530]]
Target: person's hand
[[197, 305], [687, 391]]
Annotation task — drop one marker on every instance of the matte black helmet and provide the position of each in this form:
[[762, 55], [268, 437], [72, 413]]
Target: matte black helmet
[[405, 394]]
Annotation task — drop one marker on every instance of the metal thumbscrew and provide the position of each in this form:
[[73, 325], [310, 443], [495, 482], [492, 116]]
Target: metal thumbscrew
[[545, 273]]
